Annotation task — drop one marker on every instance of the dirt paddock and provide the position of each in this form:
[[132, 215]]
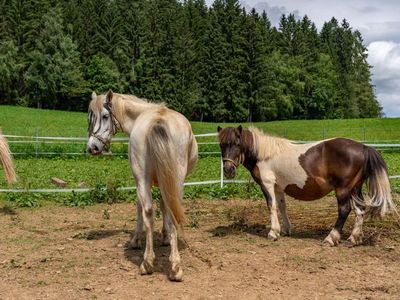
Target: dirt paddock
[[79, 253]]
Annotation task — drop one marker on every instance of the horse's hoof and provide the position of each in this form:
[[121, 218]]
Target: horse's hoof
[[273, 236], [286, 231], [165, 242], [135, 244], [176, 275], [355, 240], [146, 268]]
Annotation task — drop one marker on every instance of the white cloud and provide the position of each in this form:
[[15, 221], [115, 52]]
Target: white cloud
[[384, 56]]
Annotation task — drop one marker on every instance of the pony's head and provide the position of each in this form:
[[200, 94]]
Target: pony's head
[[102, 123], [231, 150]]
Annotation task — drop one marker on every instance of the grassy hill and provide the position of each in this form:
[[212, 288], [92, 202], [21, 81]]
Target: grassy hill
[[28, 121]]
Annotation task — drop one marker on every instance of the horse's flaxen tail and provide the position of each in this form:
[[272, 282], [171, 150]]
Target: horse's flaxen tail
[[379, 200], [6, 161], [166, 166]]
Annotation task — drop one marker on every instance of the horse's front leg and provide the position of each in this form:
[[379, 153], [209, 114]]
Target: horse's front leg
[[269, 193]]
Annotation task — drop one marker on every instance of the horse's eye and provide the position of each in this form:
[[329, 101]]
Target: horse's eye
[[105, 117]]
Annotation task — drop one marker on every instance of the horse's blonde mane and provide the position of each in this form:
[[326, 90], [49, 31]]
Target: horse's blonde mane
[[266, 146], [123, 104]]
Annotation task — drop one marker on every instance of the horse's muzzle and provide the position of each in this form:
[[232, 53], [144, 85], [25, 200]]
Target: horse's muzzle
[[94, 150], [229, 170]]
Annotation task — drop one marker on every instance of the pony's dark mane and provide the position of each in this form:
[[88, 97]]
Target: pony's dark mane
[[229, 135]]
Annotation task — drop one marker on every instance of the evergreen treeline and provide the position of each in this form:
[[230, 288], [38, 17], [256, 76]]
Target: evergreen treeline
[[217, 63]]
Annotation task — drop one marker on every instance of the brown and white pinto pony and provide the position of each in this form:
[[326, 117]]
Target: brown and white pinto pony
[[309, 172], [162, 151], [6, 160]]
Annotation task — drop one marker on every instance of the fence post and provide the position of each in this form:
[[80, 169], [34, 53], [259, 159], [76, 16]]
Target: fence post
[[37, 142], [222, 174]]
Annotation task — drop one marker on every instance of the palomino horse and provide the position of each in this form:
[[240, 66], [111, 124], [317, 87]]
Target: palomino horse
[[6, 161], [309, 172], [162, 151]]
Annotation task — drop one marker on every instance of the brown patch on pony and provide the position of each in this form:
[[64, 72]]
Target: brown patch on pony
[[327, 166]]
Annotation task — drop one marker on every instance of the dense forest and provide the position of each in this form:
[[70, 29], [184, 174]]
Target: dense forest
[[217, 63]]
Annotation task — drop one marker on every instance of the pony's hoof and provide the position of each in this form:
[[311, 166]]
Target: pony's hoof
[[176, 275], [355, 240], [328, 241], [146, 268], [273, 236], [333, 239]]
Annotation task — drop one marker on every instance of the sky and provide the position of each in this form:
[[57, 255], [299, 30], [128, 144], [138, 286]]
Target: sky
[[379, 24]]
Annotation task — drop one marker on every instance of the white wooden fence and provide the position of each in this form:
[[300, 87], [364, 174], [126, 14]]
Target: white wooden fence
[[221, 181]]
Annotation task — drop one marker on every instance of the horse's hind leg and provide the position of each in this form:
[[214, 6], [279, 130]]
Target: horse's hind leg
[[359, 207], [144, 196], [174, 257], [344, 207], [165, 239], [170, 235], [135, 241], [286, 226]]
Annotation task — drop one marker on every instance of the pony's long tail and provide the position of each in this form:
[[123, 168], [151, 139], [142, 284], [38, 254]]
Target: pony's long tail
[[379, 200], [166, 166], [6, 161]]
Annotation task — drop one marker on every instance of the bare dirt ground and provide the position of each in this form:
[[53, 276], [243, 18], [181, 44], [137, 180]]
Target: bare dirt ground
[[73, 253]]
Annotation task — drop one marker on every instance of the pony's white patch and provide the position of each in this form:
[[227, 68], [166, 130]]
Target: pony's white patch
[[280, 157]]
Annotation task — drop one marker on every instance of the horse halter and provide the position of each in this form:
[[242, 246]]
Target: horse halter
[[235, 163], [115, 125]]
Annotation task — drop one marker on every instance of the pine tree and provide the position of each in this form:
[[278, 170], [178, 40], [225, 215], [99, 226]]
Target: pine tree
[[10, 69], [54, 74]]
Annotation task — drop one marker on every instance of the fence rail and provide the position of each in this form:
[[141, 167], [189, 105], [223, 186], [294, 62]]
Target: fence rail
[[29, 139], [65, 140]]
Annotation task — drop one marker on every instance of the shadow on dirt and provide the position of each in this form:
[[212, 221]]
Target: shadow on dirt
[[262, 231], [100, 234], [7, 210], [161, 262]]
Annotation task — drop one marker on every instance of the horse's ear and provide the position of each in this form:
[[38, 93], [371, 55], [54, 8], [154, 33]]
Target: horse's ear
[[240, 128], [109, 97], [219, 128], [94, 95]]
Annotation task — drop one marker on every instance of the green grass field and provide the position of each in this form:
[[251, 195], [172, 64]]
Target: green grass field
[[32, 122], [102, 172]]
